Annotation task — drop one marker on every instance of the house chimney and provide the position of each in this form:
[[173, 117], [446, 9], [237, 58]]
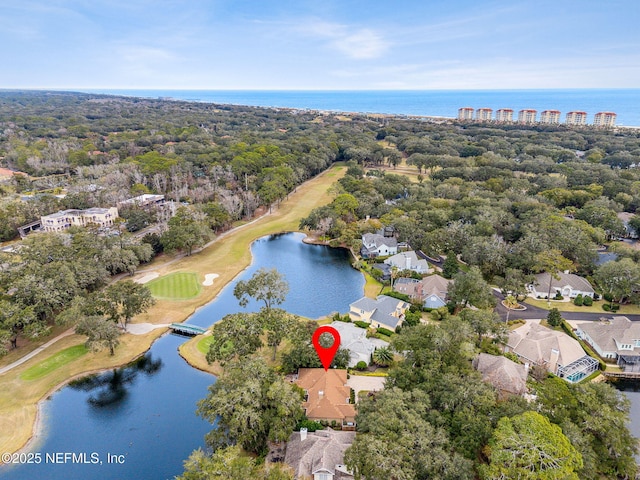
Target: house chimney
[[566, 272], [407, 259], [303, 434], [526, 368], [553, 360]]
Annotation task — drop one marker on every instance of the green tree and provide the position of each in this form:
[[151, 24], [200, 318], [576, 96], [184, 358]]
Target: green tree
[[16, 319], [552, 261], [528, 446], [278, 324], [554, 318], [252, 405], [186, 232], [236, 336], [483, 323], [101, 333], [395, 441], [469, 288], [267, 286], [450, 265], [231, 463], [618, 279], [382, 356], [121, 301]]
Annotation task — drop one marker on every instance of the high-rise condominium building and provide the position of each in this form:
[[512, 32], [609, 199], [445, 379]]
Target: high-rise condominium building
[[484, 114], [576, 118], [465, 113], [527, 116], [604, 119], [504, 115], [550, 116]]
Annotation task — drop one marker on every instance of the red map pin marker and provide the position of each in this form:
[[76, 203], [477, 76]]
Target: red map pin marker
[[326, 354]]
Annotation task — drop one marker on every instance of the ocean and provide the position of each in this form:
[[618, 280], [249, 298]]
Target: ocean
[[437, 103]]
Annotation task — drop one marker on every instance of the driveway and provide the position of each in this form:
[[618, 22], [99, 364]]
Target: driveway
[[368, 384]]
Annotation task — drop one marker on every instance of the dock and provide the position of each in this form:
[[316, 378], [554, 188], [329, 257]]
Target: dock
[[185, 329]]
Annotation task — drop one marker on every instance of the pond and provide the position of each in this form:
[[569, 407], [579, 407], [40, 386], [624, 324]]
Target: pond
[[142, 418]]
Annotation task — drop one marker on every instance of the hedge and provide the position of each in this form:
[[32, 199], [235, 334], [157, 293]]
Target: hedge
[[361, 324], [384, 331]]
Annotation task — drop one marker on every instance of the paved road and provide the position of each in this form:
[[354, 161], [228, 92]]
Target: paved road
[[532, 312]]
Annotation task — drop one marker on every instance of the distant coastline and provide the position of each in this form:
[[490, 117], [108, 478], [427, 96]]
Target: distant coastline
[[418, 103]]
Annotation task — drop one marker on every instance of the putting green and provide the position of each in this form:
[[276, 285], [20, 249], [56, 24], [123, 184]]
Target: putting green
[[46, 366], [175, 286]]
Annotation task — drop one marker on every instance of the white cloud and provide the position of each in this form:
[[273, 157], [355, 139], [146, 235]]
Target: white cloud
[[353, 42]]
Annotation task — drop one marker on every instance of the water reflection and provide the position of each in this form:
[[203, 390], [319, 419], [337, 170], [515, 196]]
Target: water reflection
[[111, 389]]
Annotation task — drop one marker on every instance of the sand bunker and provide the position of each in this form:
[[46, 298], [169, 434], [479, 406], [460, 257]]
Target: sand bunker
[[209, 278], [147, 278]]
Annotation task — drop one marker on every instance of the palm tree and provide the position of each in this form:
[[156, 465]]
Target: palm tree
[[382, 356]]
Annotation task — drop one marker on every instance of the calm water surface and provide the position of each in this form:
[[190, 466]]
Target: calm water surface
[[146, 412]]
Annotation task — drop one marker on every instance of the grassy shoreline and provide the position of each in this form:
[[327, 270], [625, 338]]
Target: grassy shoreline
[[228, 258]]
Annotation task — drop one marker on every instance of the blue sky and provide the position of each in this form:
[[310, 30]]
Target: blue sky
[[320, 44]]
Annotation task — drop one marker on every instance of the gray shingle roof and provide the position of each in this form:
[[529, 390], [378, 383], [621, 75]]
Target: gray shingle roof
[[320, 451], [576, 282], [504, 374], [605, 333]]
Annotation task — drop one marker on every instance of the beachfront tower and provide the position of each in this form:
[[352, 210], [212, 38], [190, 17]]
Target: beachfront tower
[[484, 114], [465, 113], [604, 119], [550, 116], [527, 115], [576, 118], [504, 115]]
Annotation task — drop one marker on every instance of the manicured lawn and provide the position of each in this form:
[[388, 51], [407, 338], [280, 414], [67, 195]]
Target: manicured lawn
[[55, 361], [175, 286], [203, 344]]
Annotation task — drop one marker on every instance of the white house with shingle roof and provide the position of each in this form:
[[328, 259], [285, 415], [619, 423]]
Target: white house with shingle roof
[[556, 351], [355, 340], [408, 261], [568, 284], [376, 245], [616, 338], [386, 312]]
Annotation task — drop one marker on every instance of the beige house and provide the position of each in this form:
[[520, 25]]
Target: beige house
[[556, 351], [59, 221], [327, 396], [386, 312], [568, 284]]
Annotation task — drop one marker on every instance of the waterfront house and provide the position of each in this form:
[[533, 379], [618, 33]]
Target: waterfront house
[[319, 455], [327, 396], [556, 351], [377, 245], [616, 338], [386, 312], [354, 339], [568, 284], [408, 261]]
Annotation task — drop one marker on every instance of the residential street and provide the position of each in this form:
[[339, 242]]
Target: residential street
[[532, 312]]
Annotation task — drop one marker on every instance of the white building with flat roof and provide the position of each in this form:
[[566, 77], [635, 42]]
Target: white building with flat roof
[[59, 221], [484, 114]]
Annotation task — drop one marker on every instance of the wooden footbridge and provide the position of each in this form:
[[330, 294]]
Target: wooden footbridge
[[185, 329]]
